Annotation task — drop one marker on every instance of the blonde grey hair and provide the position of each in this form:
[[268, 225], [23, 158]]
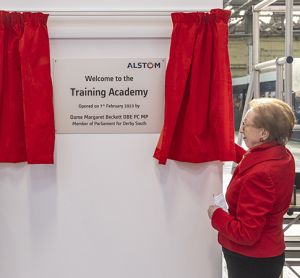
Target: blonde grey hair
[[275, 116]]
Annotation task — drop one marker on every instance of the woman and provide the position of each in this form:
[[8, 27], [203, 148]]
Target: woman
[[259, 194]]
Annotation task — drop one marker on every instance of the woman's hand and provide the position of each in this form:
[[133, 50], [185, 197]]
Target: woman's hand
[[211, 210]]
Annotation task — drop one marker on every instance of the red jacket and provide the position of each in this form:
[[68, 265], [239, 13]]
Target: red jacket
[[258, 196]]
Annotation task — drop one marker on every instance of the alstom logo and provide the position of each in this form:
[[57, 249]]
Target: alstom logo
[[144, 65]]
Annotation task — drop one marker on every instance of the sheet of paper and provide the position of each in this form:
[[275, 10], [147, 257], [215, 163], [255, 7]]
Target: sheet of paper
[[219, 200]]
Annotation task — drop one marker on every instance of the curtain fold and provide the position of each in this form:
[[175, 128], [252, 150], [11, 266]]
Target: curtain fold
[[198, 120], [26, 107]]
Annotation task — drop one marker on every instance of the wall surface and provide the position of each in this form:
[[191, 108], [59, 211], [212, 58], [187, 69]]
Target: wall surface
[[106, 208]]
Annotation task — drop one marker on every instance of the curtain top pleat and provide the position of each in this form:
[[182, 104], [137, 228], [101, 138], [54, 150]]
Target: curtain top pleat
[[199, 17], [35, 18], [4, 19], [21, 18]]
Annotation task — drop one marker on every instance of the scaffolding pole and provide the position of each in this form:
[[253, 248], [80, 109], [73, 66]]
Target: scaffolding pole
[[279, 82], [277, 61], [256, 54], [279, 9], [288, 72], [288, 82], [263, 4]]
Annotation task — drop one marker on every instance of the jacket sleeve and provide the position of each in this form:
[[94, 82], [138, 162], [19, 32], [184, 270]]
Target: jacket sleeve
[[255, 201], [239, 152]]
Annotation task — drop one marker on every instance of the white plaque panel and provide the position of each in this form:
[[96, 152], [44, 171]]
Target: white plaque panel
[[109, 95]]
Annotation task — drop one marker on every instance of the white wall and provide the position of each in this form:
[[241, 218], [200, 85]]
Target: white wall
[[106, 208]]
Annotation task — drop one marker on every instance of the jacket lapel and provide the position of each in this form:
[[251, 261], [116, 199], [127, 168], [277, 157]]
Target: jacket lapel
[[261, 153]]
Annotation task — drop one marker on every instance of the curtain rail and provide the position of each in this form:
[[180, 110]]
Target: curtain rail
[[111, 12]]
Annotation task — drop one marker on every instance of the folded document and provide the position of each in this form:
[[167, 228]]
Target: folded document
[[219, 201]]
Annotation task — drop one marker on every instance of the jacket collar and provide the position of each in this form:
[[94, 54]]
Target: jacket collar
[[261, 153]]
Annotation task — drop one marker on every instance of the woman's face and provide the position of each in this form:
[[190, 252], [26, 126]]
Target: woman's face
[[252, 135]]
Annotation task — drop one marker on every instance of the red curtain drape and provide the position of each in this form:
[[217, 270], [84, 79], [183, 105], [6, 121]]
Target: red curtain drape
[[26, 106], [198, 120]]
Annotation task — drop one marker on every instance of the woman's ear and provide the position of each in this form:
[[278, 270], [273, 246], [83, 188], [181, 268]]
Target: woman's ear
[[265, 134]]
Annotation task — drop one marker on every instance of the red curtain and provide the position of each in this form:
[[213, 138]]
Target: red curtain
[[198, 123], [26, 106]]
